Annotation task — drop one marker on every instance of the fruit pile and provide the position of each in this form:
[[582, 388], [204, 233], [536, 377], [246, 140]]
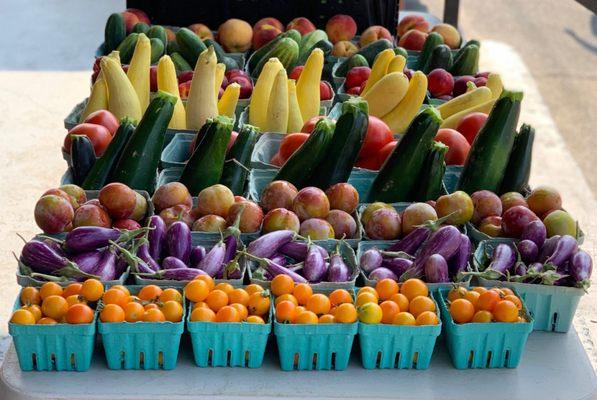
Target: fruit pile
[[407, 303], [413, 31], [297, 304], [483, 305], [51, 304], [150, 304], [224, 303]]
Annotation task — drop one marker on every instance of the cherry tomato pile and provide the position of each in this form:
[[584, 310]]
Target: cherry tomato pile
[[151, 304], [482, 305]]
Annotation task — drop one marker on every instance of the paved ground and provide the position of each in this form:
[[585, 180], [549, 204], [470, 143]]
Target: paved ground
[[45, 58]]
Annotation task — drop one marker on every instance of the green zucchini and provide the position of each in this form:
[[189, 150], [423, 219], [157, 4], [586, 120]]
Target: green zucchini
[[401, 51], [238, 160], [471, 42], [205, 166], [82, 157], [432, 174], [172, 47], [369, 51], [286, 51], [127, 48], [180, 63], [308, 41], [357, 60], [263, 50], [325, 45], [114, 33], [140, 27], [98, 176], [441, 57], [516, 177], [138, 163], [304, 161], [488, 157], [467, 63], [433, 40], [398, 178], [158, 32], [346, 143], [157, 49], [228, 61], [189, 45]]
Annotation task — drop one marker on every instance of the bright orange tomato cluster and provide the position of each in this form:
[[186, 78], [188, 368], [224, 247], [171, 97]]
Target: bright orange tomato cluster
[[484, 305], [297, 304], [151, 304], [224, 303], [51, 304], [398, 304]]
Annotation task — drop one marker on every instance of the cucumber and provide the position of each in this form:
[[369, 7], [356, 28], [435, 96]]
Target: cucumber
[[157, 49], [489, 155], [401, 51], [308, 41], [180, 63], [471, 42], [433, 40], [82, 157], [238, 160], [229, 62], [205, 166], [304, 161], [286, 51], [467, 63], [189, 45], [158, 32], [127, 48], [369, 52], [325, 46], [432, 174], [138, 163], [398, 178], [172, 47], [441, 57], [98, 176], [114, 33], [140, 27], [346, 143], [357, 60], [516, 176], [258, 54]]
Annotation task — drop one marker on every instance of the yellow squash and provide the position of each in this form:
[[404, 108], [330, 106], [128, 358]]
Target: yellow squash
[[98, 98], [494, 83], [386, 94], [402, 115], [277, 108], [307, 86], [220, 71], [466, 100], [397, 64], [227, 104], [261, 92], [295, 120], [453, 120], [202, 102], [122, 98], [167, 82], [138, 72], [379, 69]]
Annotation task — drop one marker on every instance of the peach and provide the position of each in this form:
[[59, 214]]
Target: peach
[[559, 222], [75, 192], [417, 214], [177, 213], [343, 196], [543, 199], [441, 82], [129, 224], [140, 208], [491, 226], [413, 21], [119, 199], [280, 219], [235, 35], [486, 204], [371, 208], [413, 40], [264, 35], [512, 199], [209, 223], [301, 24], [53, 213], [59, 192], [140, 14], [170, 35], [202, 31], [171, 194], [269, 21], [449, 33], [250, 215], [344, 48], [130, 20], [278, 194], [311, 202], [215, 199], [343, 224], [316, 229], [384, 224], [90, 215], [341, 27], [373, 33], [458, 204]]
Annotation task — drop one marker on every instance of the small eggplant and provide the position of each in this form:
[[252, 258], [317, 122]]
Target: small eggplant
[[269, 244], [54, 244], [231, 243], [178, 241], [382, 273], [143, 254], [520, 269], [564, 250], [338, 271], [298, 250], [411, 242], [459, 261], [370, 260], [279, 259], [445, 242], [212, 263], [197, 254], [274, 269], [121, 265], [171, 262], [314, 268], [87, 261], [397, 265], [581, 267], [536, 232], [88, 238], [528, 251], [436, 269], [43, 259], [548, 248], [502, 258], [105, 269], [156, 236]]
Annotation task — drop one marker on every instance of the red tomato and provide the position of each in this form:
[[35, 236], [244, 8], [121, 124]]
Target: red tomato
[[356, 76], [371, 163], [325, 91], [457, 143], [470, 125], [291, 143], [104, 118], [385, 152], [277, 160], [310, 124], [355, 91], [296, 72], [99, 135], [378, 135]]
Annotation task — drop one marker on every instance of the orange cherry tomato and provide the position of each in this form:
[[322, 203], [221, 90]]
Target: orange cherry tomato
[[420, 304], [253, 288], [346, 313], [258, 304], [92, 290], [488, 300], [285, 312], [401, 300], [54, 306], [414, 287], [50, 289], [319, 304], [79, 314], [505, 311], [35, 310], [243, 311], [303, 293], [207, 279], [133, 312], [112, 313], [340, 296], [73, 288], [196, 290], [30, 295], [115, 296], [227, 314], [389, 310], [462, 311], [482, 316], [282, 284], [172, 311], [153, 315], [150, 293], [386, 288], [203, 314], [427, 318], [255, 319], [327, 319], [123, 288], [239, 296], [216, 299], [515, 300], [306, 317], [224, 287], [170, 294], [285, 297]]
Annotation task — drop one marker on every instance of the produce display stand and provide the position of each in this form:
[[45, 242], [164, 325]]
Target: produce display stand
[[554, 366]]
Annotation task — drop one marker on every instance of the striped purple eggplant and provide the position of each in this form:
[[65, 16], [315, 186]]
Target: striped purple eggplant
[[445, 242], [105, 269], [231, 243], [143, 254], [536, 232], [178, 274], [298, 250], [436, 269], [279, 259], [171, 262], [413, 241], [502, 258], [529, 252], [212, 263], [548, 248], [459, 261], [156, 236], [338, 271], [88, 260], [397, 265], [370, 260], [520, 269], [314, 268], [269, 244], [272, 269], [88, 238], [563, 251], [43, 259], [382, 273], [178, 241], [581, 267], [197, 254]]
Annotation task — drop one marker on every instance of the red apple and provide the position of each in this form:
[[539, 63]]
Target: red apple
[[268, 21], [153, 78], [246, 86], [460, 84], [301, 24], [441, 82], [356, 76]]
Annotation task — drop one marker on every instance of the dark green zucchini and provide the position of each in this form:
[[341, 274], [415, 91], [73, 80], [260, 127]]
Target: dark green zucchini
[[489, 155], [157, 49], [325, 46], [127, 47], [516, 177], [304, 161], [401, 51], [140, 27], [98, 176], [398, 178], [441, 57], [238, 160], [114, 33], [433, 40], [258, 54], [346, 143], [432, 174], [205, 166], [82, 157], [467, 62], [158, 32], [138, 163], [189, 45], [222, 57], [180, 64]]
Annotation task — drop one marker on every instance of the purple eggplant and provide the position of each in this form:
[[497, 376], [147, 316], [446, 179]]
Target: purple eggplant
[[279, 259], [231, 243], [548, 248], [143, 254], [411, 242], [445, 242], [528, 251], [338, 271], [565, 248], [269, 244], [156, 236], [88, 238], [535, 267], [382, 273], [298, 250], [178, 241], [581, 267], [459, 261], [397, 265], [121, 266], [502, 258], [232, 270], [314, 268], [106, 268], [370, 260], [536, 232], [436, 269], [54, 244], [178, 274], [43, 259], [197, 254], [212, 263], [87, 261], [171, 262], [520, 268], [272, 269]]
